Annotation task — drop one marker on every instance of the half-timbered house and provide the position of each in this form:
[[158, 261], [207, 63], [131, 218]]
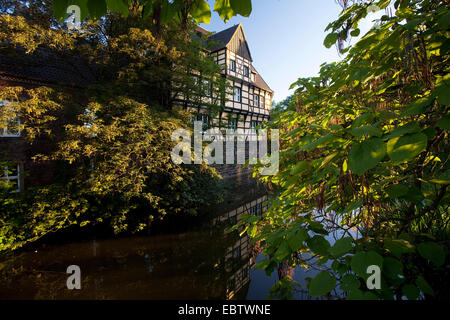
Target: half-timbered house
[[248, 101]]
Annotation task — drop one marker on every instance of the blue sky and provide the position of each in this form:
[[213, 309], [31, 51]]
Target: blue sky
[[285, 38]]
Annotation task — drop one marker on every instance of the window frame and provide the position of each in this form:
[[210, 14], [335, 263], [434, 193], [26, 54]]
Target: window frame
[[246, 71], [9, 178], [240, 94], [252, 126], [205, 125], [234, 122], [207, 87], [4, 132], [256, 100], [232, 65]]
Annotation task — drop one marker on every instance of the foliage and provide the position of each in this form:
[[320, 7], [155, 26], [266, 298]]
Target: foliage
[[365, 157], [107, 142], [161, 11]]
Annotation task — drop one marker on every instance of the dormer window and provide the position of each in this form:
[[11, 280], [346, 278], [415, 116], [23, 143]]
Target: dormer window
[[233, 65], [253, 77]]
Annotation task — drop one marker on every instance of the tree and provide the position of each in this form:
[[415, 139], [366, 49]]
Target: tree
[[366, 157], [108, 140], [159, 12]]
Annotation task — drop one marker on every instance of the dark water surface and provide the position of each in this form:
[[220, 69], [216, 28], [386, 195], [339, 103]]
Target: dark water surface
[[195, 260]]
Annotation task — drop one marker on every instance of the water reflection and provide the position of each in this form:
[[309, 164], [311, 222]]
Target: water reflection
[[198, 261]]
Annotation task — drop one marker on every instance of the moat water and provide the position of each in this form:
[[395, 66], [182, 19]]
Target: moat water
[[193, 260]]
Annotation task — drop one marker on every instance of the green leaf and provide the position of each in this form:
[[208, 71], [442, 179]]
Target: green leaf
[[357, 294], [424, 286], [398, 247], [318, 244], [97, 8], [444, 122], [362, 260], [60, 8], [355, 33], [392, 268], [432, 252], [440, 181], [444, 21], [411, 292], [341, 247], [443, 94], [364, 118], [366, 155], [262, 265], [397, 190], [295, 239], [322, 284], [147, 11], [300, 167], [411, 127], [419, 106], [223, 8], [201, 11], [321, 142], [317, 227], [366, 131], [406, 147], [414, 195], [282, 252], [242, 7], [168, 12], [119, 6], [330, 39], [350, 282], [251, 231]]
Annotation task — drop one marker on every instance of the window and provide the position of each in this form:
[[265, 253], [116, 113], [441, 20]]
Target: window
[[232, 124], [263, 102], [12, 175], [246, 71], [237, 253], [204, 119], [237, 94], [254, 124], [233, 220], [256, 100], [233, 65], [244, 273], [207, 87], [259, 209], [195, 79], [256, 210], [10, 127], [231, 285]]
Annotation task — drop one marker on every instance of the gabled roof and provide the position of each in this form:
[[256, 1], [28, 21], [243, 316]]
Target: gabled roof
[[259, 81], [222, 38], [234, 39], [231, 38], [201, 30]]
